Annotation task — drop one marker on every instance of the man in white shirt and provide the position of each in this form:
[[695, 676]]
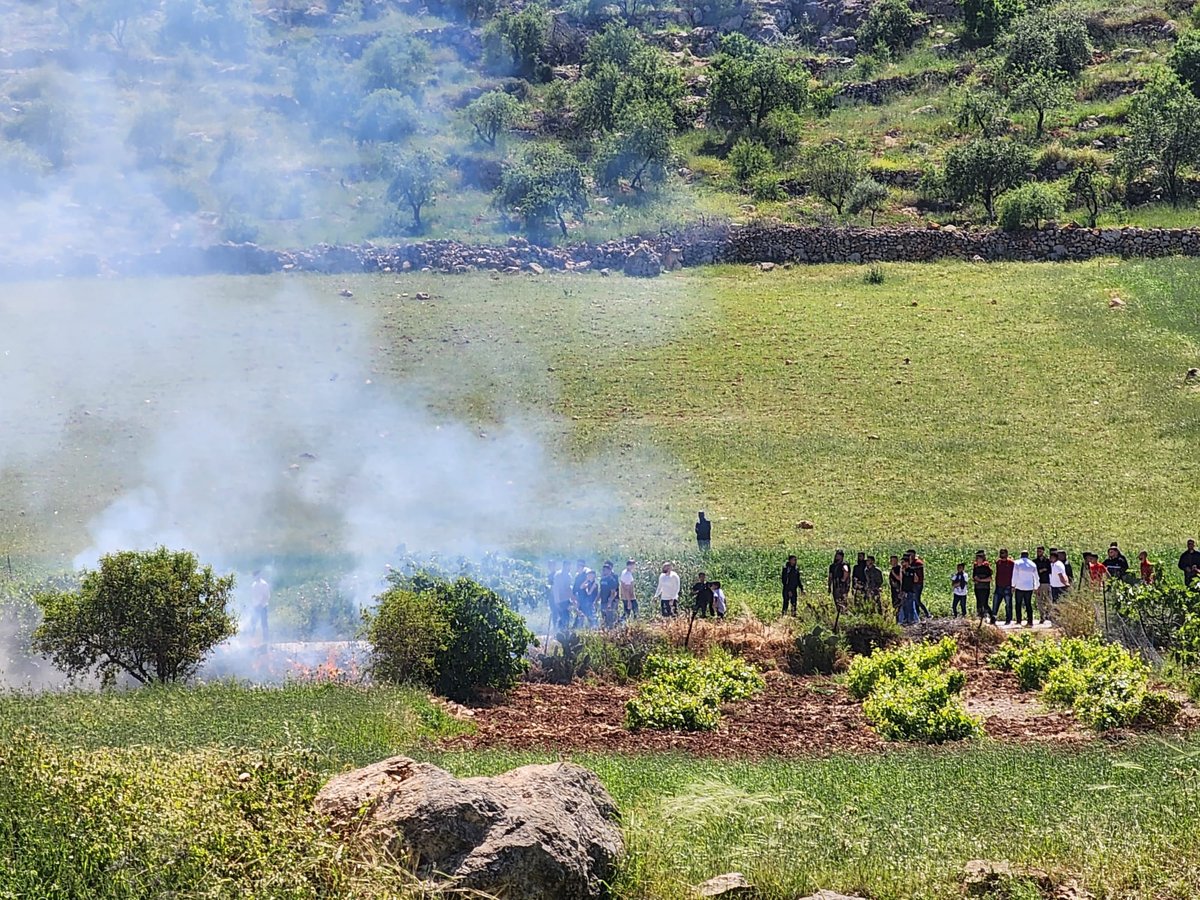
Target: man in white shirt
[[260, 599], [1060, 582], [629, 604], [562, 596], [668, 590], [1025, 581]]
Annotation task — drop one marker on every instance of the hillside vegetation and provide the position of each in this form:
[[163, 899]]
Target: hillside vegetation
[[133, 123]]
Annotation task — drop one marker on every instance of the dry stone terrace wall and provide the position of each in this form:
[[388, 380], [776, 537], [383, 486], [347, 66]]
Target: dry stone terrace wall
[[645, 255]]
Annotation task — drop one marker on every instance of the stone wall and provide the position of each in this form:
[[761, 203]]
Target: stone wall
[[644, 255]]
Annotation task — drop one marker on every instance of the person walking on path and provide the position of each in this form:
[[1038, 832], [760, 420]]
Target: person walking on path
[[791, 583], [1043, 563], [628, 591], [1060, 580], [1189, 563], [981, 577], [703, 532], [1003, 590], [958, 590], [610, 588], [668, 591], [1024, 583]]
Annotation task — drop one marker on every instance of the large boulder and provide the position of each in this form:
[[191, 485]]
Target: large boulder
[[643, 262], [546, 831]]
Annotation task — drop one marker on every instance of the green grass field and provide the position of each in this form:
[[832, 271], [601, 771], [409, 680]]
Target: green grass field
[[150, 783]]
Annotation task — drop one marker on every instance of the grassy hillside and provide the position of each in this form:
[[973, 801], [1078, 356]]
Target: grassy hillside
[[127, 126]]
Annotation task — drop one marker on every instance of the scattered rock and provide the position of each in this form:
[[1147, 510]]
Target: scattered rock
[[731, 884], [643, 263], [1192, 375], [832, 895], [805, 525], [540, 832], [422, 295], [1116, 303], [346, 292], [535, 268], [766, 266]]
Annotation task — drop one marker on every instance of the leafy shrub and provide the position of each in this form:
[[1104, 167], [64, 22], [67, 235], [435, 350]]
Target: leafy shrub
[[492, 114], [986, 20], [815, 652], [864, 636], [153, 615], [1184, 60], [518, 581], [874, 275], [386, 115], [920, 706], [890, 24], [1164, 610], [513, 42], [686, 693], [866, 671], [1029, 205], [618, 654], [474, 640], [395, 62], [1158, 710], [766, 186], [749, 159]]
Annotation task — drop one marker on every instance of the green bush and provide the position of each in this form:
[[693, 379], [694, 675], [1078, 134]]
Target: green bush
[[472, 641], [617, 654], [920, 705], [386, 115], [1029, 205], [866, 671], [986, 20], [749, 159], [815, 652], [683, 692], [766, 186], [890, 24], [864, 636]]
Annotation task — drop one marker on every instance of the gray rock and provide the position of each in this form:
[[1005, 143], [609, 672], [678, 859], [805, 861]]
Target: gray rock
[[643, 263], [846, 46], [544, 832], [731, 884], [832, 895]]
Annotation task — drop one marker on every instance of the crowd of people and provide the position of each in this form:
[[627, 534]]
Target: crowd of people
[[580, 598]]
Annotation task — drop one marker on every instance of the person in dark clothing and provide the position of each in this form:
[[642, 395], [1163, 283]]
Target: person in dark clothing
[[916, 574], [981, 577], [896, 586], [703, 533], [1189, 563], [792, 584], [702, 596], [609, 589], [1116, 563], [858, 579], [1043, 563], [588, 594], [908, 582], [873, 580], [958, 590], [1003, 590], [839, 580]]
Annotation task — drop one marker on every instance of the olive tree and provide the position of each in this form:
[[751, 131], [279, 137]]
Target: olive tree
[[492, 114], [543, 186], [983, 169], [1164, 134], [416, 182], [831, 171], [639, 149], [153, 615], [867, 195]]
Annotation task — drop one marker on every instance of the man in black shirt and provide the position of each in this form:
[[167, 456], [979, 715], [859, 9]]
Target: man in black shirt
[[609, 588], [839, 580], [702, 596], [895, 584], [1189, 563], [1116, 563], [792, 584], [703, 533], [1043, 563], [873, 584], [858, 578], [981, 577]]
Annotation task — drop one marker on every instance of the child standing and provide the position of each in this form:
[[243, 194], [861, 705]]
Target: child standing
[[718, 599], [958, 588]]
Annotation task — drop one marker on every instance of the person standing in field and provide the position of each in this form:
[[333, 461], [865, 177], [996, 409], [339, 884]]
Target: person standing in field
[[958, 590], [981, 577], [581, 574], [1003, 589], [896, 586], [1025, 582], [563, 595], [1145, 568], [792, 584], [260, 599], [702, 596], [1116, 563], [1096, 571], [719, 602], [629, 604], [589, 593], [839, 580], [858, 580], [912, 574], [667, 592], [1043, 563], [873, 579], [609, 589], [703, 532], [1060, 580], [1189, 563]]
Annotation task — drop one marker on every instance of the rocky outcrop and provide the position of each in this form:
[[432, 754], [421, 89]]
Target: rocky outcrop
[[545, 832]]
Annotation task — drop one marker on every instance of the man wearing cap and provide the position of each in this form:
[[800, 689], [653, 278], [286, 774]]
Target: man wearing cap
[[629, 604], [703, 532], [1189, 563], [1025, 582]]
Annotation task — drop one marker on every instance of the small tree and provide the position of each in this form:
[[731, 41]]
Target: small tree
[[1184, 60], [546, 184], [1049, 41], [749, 81], [981, 107], [1041, 92], [395, 62], [1092, 189], [748, 159], [416, 183], [986, 20], [639, 149], [1029, 205], [1164, 133], [493, 114], [152, 614], [831, 171], [867, 195], [513, 42], [891, 24], [983, 169], [385, 116]]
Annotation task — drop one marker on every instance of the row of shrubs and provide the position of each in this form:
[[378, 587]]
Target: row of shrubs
[[685, 693], [1102, 683], [911, 693]]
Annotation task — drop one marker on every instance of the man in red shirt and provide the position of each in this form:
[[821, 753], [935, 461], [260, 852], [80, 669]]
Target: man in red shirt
[[1003, 590]]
